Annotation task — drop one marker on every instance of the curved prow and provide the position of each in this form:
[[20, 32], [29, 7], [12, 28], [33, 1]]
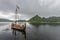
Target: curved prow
[[12, 25], [24, 26]]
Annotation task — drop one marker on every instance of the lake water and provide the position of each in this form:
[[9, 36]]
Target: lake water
[[33, 32]]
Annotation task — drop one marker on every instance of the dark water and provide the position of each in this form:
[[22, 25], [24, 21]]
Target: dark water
[[33, 32]]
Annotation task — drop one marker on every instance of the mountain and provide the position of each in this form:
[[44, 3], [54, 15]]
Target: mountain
[[36, 18]]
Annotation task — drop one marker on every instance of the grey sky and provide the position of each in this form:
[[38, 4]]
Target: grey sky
[[29, 8]]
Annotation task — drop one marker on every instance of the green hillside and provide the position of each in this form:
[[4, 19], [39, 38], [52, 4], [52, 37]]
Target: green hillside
[[38, 19], [4, 20]]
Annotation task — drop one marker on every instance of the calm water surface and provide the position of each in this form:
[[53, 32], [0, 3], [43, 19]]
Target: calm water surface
[[33, 32]]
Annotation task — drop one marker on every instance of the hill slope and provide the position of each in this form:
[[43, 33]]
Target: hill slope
[[4, 20]]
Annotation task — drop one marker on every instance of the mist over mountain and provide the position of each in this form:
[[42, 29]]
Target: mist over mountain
[[53, 18]]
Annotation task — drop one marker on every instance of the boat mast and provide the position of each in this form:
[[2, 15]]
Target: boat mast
[[16, 13]]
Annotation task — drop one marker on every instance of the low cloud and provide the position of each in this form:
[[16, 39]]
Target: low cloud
[[29, 8]]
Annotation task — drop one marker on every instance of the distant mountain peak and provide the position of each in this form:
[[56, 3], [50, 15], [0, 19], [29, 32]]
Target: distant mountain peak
[[36, 17]]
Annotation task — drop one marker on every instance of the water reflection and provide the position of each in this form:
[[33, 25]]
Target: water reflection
[[35, 24], [14, 32], [33, 31]]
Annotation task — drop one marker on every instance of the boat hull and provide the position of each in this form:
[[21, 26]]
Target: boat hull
[[18, 27]]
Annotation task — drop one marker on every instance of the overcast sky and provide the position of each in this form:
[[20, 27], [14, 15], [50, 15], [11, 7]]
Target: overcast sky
[[29, 8]]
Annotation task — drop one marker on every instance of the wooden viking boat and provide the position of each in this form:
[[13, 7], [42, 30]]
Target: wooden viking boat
[[16, 26]]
